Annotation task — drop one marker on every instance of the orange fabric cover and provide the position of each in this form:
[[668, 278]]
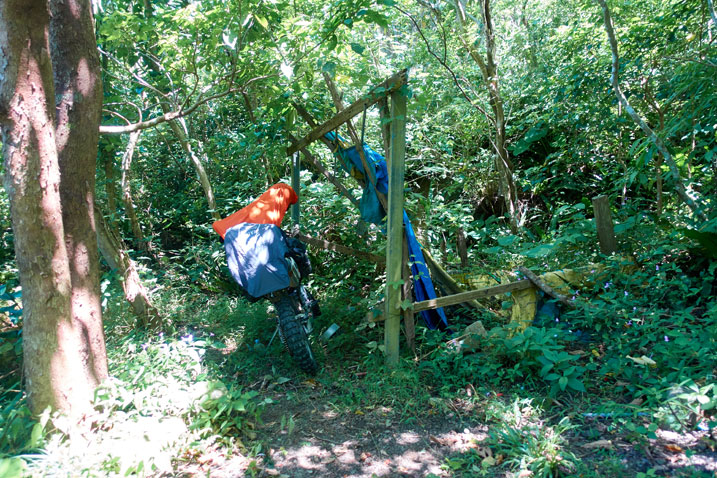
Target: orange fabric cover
[[269, 208]]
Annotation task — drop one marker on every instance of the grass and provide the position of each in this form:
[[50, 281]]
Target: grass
[[210, 378]]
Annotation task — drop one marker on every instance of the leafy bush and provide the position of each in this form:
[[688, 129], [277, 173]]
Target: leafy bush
[[538, 448], [20, 432]]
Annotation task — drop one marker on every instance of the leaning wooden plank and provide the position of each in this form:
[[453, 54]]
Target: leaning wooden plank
[[355, 138], [332, 246], [440, 276], [381, 91], [471, 295], [545, 287], [316, 163]]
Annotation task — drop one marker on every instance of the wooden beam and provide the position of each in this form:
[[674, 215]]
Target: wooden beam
[[369, 170], [316, 163], [442, 277], [471, 295], [332, 246], [385, 115], [409, 322], [394, 243], [387, 87], [545, 287]]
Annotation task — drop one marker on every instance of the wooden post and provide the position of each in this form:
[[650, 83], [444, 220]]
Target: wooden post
[[296, 185], [462, 247], [394, 254], [409, 322], [603, 223]]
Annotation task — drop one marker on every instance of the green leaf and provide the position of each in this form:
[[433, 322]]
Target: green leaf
[[576, 384], [12, 468], [563, 382], [507, 240], [539, 251], [261, 21], [357, 48]]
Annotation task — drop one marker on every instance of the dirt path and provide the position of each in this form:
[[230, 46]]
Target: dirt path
[[305, 434]]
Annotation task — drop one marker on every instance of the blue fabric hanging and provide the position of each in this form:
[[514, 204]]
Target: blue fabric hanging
[[372, 211]]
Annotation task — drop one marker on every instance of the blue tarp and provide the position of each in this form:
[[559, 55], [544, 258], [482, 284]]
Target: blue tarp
[[372, 211], [255, 256]]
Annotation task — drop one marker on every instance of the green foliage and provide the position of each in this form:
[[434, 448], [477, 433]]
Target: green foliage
[[518, 439], [20, 432], [225, 412], [539, 449]]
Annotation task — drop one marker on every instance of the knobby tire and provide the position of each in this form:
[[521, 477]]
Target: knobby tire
[[294, 336]]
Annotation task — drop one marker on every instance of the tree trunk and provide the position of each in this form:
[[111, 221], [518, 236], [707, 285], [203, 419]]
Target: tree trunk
[[135, 292], [63, 342], [179, 128], [489, 72], [78, 102], [138, 236], [693, 204]]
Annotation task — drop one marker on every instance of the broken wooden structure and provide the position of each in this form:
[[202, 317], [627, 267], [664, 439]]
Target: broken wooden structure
[[393, 119]]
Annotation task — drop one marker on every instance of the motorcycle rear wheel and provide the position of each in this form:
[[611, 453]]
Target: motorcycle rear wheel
[[294, 336]]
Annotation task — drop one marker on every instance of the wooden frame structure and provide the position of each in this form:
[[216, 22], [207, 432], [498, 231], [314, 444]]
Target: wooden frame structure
[[398, 274], [393, 204]]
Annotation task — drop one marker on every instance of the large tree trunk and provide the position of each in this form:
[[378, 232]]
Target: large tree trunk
[[64, 354], [78, 101]]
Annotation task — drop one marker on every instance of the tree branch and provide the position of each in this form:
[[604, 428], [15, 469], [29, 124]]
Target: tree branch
[[659, 144], [172, 115], [445, 65]]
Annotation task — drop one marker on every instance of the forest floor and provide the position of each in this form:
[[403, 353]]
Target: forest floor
[[341, 424]]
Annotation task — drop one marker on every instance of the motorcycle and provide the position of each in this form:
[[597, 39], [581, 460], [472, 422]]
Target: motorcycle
[[268, 263], [296, 308]]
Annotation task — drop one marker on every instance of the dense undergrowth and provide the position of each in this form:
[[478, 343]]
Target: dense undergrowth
[[639, 348]]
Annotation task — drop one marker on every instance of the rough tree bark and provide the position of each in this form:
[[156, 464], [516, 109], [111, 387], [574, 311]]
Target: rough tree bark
[[696, 208], [64, 351], [78, 102]]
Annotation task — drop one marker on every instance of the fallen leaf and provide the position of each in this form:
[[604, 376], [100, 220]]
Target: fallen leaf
[[674, 448], [364, 456], [644, 360], [487, 462], [328, 459], [600, 444], [359, 412], [637, 401], [442, 441]]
